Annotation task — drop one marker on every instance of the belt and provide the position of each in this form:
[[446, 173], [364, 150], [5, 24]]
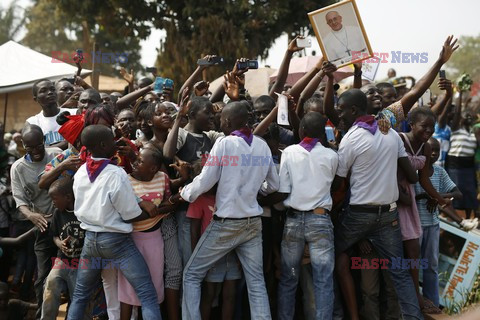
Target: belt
[[374, 208], [315, 211], [217, 218]]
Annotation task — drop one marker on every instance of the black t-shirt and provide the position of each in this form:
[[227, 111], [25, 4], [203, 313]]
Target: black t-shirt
[[65, 224]]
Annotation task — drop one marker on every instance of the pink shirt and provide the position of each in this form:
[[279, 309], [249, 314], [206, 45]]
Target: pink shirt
[[203, 209]]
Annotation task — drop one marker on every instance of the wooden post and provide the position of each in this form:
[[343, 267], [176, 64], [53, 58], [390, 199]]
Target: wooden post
[[95, 70], [5, 113]]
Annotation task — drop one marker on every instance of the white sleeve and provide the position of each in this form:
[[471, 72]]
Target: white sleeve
[[285, 180], [346, 157], [207, 178], [123, 197], [272, 180]]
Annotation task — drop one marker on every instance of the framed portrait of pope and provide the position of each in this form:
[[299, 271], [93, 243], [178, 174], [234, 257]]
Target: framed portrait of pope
[[340, 33]]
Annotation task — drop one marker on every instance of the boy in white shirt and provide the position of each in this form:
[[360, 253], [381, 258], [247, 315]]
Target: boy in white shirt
[[307, 171], [105, 204]]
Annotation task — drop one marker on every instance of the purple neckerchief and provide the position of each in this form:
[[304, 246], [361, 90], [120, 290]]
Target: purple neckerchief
[[308, 143], [367, 122], [244, 133]]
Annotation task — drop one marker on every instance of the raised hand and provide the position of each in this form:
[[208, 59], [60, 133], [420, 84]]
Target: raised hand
[[231, 86], [236, 71], [72, 102], [292, 46], [329, 68], [129, 77], [201, 87], [446, 85], [448, 48], [208, 58], [185, 103]]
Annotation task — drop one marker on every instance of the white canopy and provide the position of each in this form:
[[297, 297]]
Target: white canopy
[[20, 67]]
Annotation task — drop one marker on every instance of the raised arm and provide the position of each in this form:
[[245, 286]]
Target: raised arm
[[308, 92], [357, 75], [272, 116], [195, 76], [409, 99], [300, 85], [127, 99], [439, 107], [328, 102], [170, 146], [283, 70], [129, 77]]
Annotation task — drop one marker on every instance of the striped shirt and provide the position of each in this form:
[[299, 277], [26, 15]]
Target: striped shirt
[[154, 191], [443, 184], [462, 143]]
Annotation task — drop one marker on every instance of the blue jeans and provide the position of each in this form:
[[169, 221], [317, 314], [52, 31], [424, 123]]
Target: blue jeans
[[119, 246], [383, 231], [429, 244], [245, 237], [317, 231], [184, 237], [61, 277]]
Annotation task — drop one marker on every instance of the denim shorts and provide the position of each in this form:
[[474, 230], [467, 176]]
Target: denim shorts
[[226, 268]]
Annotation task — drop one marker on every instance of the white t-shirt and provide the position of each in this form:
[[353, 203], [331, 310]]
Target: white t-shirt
[[240, 171], [49, 125], [307, 176], [373, 161], [105, 204]]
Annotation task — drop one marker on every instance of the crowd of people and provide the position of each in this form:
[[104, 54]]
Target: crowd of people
[[129, 205]]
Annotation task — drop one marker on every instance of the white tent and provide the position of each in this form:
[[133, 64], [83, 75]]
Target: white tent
[[20, 67]]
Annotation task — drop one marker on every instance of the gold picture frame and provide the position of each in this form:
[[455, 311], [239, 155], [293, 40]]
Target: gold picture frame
[[335, 44]]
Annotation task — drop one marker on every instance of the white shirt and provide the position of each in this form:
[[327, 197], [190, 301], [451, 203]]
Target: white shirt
[[240, 175], [373, 161], [307, 176], [105, 204], [49, 125], [336, 44]]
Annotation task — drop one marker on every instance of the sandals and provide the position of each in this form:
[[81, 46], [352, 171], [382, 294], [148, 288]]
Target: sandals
[[430, 308]]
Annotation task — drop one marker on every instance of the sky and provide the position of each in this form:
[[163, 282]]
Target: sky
[[408, 26]]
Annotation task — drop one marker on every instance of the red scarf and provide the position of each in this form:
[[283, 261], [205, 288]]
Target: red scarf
[[72, 129], [94, 167]]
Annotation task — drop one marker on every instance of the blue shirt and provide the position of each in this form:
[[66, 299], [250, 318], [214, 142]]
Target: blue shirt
[[443, 184]]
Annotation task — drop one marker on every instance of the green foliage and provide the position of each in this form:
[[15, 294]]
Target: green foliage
[[11, 21], [231, 29], [68, 25], [463, 61]]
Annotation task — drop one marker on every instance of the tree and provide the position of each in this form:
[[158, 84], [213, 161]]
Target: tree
[[231, 29], [464, 60], [68, 25], [11, 21]]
